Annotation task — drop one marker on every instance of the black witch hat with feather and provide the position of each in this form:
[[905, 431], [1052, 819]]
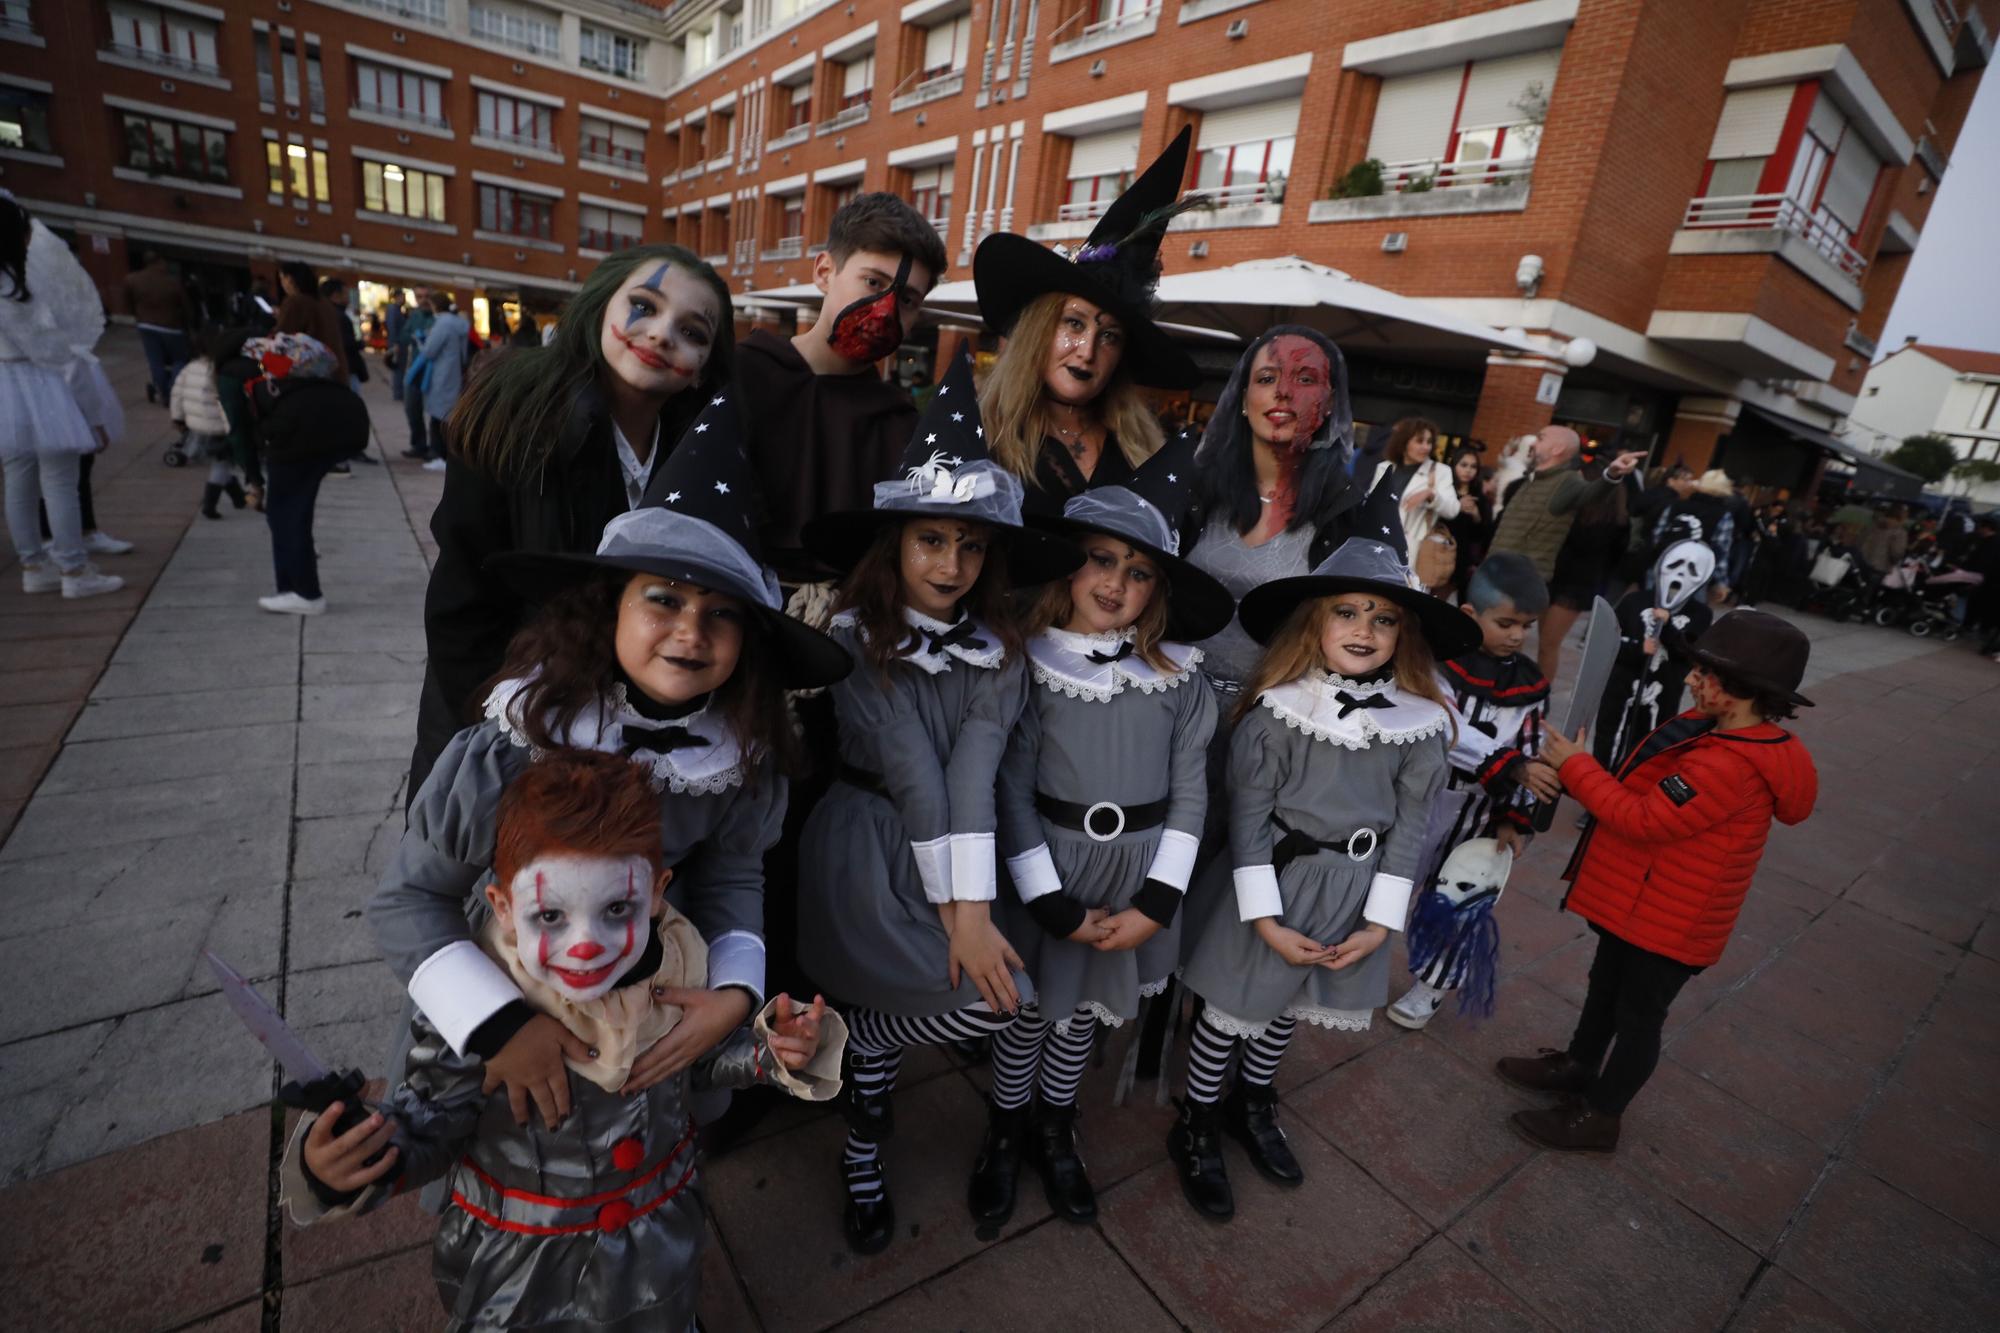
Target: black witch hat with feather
[[1116, 268]]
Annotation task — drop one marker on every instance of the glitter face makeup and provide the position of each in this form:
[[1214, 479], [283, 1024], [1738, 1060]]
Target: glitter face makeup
[[1360, 635]]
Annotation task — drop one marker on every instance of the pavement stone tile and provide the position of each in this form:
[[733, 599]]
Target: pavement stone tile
[[328, 634], [1526, 1018], [1440, 1290], [1958, 1164], [345, 845], [1952, 909], [217, 804], [314, 1252], [1423, 1123], [51, 684], [357, 788], [37, 1078], [181, 1228], [382, 699], [178, 714], [1314, 1052], [34, 724], [21, 621], [348, 740], [1530, 930], [20, 653], [245, 1318], [395, 1292], [1810, 1088], [21, 768], [1804, 998], [184, 675], [1780, 1303], [327, 926], [1890, 1260], [351, 1016], [133, 761], [1590, 1247], [324, 668]]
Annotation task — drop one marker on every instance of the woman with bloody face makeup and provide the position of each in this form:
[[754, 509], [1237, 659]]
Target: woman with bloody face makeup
[[548, 444]]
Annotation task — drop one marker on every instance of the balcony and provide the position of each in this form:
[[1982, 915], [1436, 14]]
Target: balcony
[[1083, 212], [845, 118], [789, 247], [536, 39], [1128, 27], [597, 238], [163, 60], [1777, 213], [797, 134], [600, 153], [719, 163], [421, 11], [632, 71], [401, 116], [1430, 187], [517, 143], [948, 84]]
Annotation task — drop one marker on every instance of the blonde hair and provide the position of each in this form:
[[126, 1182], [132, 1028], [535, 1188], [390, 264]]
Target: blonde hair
[[1016, 415], [1054, 605], [1295, 649]]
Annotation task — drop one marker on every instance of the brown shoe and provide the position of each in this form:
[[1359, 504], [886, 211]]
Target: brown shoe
[[1551, 1071], [1572, 1125]]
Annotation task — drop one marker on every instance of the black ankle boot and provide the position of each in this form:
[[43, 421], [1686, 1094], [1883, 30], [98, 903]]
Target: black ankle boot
[[1063, 1180], [990, 1192], [234, 490], [1251, 1116], [1195, 1145], [869, 1226], [209, 495], [868, 1114]]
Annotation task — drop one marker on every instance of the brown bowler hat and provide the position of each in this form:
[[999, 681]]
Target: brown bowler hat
[[1757, 648]]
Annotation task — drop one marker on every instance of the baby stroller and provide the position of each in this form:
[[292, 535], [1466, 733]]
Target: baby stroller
[[1839, 585], [1899, 599], [1936, 600], [178, 453]]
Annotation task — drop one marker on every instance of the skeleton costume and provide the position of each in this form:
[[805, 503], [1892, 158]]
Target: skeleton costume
[[910, 823], [719, 807], [1644, 689]]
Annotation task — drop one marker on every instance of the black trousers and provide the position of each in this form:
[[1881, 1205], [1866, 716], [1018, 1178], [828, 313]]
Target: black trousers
[[1624, 1012], [288, 511]]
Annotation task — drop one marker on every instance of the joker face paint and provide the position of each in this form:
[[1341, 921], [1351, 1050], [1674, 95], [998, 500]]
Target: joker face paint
[[579, 922], [659, 329], [1290, 392]]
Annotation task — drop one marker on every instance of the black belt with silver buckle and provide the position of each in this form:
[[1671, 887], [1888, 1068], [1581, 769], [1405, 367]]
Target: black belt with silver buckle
[[1359, 845], [1103, 821]]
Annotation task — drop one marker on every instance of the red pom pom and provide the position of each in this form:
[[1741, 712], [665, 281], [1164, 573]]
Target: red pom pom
[[628, 1154], [614, 1216]]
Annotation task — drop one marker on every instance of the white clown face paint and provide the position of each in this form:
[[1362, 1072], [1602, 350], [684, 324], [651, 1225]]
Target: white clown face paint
[[580, 922]]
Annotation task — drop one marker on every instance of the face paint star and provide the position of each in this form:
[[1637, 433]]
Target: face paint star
[[700, 426], [722, 488]]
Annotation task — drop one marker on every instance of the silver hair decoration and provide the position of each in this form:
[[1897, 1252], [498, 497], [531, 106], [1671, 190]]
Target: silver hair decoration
[[979, 491]]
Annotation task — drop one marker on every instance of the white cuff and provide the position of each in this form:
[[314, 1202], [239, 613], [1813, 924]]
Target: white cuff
[[1257, 893], [1173, 863], [934, 867], [1388, 901], [458, 988], [736, 958], [1034, 874], [973, 871]]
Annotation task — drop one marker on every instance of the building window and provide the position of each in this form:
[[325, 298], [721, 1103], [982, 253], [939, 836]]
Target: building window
[[163, 37], [267, 78], [945, 46], [1246, 152], [792, 219], [516, 214], [722, 128], [930, 193], [610, 143], [715, 234], [24, 120], [290, 64], [602, 228], [536, 33], [698, 51], [399, 93], [403, 192], [295, 169], [162, 147], [516, 121], [800, 111], [1478, 123], [857, 81], [613, 53], [16, 16], [1100, 167]]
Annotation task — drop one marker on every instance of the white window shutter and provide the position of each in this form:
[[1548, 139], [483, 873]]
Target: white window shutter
[[1852, 180], [1104, 154], [857, 76], [1249, 124], [1497, 84], [802, 93], [1413, 115], [1826, 122], [1752, 119]]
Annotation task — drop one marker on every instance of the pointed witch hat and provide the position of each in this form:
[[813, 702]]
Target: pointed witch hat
[[696, 524], [947, 473], [1145, 511], [1116, 268]]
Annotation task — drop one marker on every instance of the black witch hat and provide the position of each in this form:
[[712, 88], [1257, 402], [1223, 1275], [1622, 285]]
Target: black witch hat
[[1117, 268], [696, 525], [946, 473]]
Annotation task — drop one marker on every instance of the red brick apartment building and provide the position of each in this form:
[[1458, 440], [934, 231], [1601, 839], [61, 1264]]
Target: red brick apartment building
[[1721, 195]]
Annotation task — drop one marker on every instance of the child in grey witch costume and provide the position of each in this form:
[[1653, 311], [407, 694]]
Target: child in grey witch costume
[[1340, 744], [667, 647], [1102, 797], [595, 1224], [897, 919]]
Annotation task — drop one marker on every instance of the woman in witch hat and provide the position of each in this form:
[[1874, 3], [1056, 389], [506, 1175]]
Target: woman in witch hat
[[668, 645], [1063, 405], [1340, 742], [898, 920]]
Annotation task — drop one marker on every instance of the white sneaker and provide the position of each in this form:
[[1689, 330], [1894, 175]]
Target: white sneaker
[[291, 604], [1417, 1007], [435, 465], [99, 542], [40, 576], [87, 582]]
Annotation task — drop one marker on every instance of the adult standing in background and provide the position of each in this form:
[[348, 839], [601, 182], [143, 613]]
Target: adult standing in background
[[305, 311], [1538, 518], [409, 338], [394, 353], [159, 304], [1423, 488], [438, 372]]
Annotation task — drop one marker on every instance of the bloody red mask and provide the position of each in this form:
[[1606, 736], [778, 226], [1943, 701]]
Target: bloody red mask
[[872, 327]]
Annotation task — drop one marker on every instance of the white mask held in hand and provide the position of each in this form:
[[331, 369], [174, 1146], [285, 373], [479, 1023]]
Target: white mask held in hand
[[1684, 569], [580, 922]]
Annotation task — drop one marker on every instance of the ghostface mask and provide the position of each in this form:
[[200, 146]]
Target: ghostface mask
[[1684, 568], [872, 327]]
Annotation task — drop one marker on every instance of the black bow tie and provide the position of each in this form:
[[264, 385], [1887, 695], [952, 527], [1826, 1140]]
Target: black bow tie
[[1350, 702], [659, 738], [1118, 654], [965, 634]]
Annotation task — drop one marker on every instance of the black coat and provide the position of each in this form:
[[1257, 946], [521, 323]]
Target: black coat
[[310, 421], [469, 615]]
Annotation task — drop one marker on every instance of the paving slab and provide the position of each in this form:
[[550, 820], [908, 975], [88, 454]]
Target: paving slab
[[1799, 1083], [184, 714], [1439, 1290], [353, 788], [1957, 1164], [394, 1292], [136, 761]]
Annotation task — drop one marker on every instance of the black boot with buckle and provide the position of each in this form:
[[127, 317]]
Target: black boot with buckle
[[869, 1226], [1195, 1145], [990, 1192], [1251, 1116], [1063, 1180]]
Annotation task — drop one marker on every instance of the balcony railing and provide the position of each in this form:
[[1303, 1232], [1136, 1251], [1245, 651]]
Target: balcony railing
[[165, 59], [631, 159], [797, 134], [1118, 23], [1083, 212], [402, 113], [1776, 212], [633, 70], [537, 39], [947, 84], [423, 11], [518, 140], [596, 238], [843, 118], [788, 247], [1243, 196], [1399, 177], [1093, 36]]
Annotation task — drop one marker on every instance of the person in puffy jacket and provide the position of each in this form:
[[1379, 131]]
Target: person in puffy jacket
[[196, 406], [1661, 873]]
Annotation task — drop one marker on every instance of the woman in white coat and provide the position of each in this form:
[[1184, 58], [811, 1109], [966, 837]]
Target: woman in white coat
[[50, 317], [1425, 493]]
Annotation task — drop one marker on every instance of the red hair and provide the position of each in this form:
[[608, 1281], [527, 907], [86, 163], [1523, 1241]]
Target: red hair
[[580, 802]]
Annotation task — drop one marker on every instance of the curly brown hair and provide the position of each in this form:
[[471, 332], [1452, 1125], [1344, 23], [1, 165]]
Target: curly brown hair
[[568, 655], [576, 801], [873, 591]]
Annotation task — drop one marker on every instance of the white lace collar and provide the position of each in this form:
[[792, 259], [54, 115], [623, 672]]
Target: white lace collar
[[697, 771], [981, 649], [1061, 662], [1312, 704]]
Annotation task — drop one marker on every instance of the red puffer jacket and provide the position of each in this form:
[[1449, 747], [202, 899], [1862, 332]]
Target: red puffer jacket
[[1679, 831]]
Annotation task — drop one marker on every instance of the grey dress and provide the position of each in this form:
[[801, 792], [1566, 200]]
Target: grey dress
[[717, 817], [1293, 758], [1231, 653], [1102, 731], [910, 824]]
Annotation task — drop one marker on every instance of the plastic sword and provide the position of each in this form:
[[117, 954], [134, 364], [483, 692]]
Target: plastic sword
[[1600, 651]]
